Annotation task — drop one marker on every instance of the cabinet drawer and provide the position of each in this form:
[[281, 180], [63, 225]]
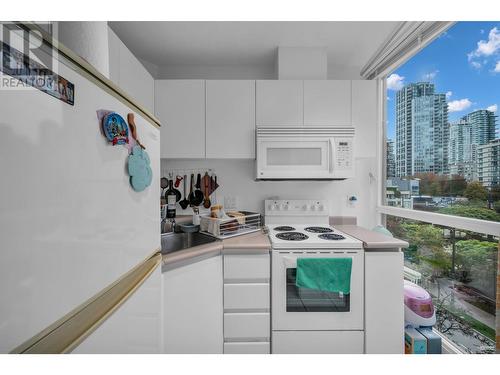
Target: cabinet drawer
[[247, 267], [247, 347], [246, 296], [318, 342], [247, 325]]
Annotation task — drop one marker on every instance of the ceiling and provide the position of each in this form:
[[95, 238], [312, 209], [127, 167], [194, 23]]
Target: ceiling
[[213, 43]]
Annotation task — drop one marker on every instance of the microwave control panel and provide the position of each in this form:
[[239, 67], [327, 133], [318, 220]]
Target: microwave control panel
[[343, 158]]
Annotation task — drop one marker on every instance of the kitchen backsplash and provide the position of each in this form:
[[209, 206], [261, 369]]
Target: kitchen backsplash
[[238, 187]]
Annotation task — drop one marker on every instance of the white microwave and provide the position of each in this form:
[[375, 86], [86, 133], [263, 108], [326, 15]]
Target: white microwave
[[305, 153]]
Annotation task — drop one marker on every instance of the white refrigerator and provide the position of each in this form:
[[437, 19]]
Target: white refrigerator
[[79, 248]]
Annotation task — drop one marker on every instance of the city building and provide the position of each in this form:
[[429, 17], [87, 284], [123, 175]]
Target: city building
[[422, 130], [488, 163], [462, 150], [399, 192], [483, 125], [391, 162]]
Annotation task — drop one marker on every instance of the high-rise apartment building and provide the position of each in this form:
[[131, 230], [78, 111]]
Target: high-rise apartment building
[[462, 150], [422, 130], [466, 135], [483, 125], [488, 163], [391, 162]]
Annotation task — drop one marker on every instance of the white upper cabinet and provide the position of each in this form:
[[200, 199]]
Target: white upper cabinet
[[364, 117], [230, 119], [180, 107], [327, 103], [129, 74], [280, 103]]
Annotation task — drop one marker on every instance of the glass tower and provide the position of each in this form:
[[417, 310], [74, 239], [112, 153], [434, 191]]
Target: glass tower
[[422, 130]]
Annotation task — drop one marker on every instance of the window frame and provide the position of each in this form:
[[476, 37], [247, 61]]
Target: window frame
[[452, 221]]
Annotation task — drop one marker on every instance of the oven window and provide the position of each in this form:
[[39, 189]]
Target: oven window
[[310, 300], [294, 156]]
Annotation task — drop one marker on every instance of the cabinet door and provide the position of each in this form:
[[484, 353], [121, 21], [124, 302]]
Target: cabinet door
[[364, 117], [327, 103], [230, 122], [280, 103], [129, 74], [180, 107], [384, 322], [192, 308]]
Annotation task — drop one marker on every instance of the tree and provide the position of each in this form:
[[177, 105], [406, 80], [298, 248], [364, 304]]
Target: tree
[[456, 185], [472, 211], [428, 243], [495, 193], [477, 261], [476, 191]]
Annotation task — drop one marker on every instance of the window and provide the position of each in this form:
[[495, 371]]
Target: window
[[442, 187], [459, 270], [443, 154]]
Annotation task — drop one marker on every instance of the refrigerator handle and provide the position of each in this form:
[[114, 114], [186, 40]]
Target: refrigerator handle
[[67, 333]]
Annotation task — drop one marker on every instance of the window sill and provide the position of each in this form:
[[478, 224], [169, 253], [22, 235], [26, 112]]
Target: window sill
[[458, 222]]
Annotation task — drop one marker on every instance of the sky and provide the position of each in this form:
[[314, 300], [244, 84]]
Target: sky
[[464, 63]]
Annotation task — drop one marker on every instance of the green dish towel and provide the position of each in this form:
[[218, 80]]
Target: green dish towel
[[325, 274]]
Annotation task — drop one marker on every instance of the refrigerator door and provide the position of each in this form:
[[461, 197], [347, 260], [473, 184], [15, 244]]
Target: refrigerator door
[[71, 225]]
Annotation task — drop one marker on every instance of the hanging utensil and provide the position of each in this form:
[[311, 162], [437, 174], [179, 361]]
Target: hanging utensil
[[184, 203], [206, 201], [214, 188], [133, 128], [195, 196], [198, 193], [178, 180]]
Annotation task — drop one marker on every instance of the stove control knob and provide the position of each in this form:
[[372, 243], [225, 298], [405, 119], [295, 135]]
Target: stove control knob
[[313, 207], [273, 207], [285, 206], [321, 207], [304, 207]]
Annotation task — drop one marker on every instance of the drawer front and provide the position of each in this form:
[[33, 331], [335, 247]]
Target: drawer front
[[318, 342], [246, 296], [247, 347], [247, 326], [247, 267]]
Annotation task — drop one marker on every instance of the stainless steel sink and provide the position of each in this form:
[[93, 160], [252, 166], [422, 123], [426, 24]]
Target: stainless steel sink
[[171, 242]]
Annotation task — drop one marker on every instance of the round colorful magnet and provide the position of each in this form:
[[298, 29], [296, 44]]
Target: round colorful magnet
[[115, 129]]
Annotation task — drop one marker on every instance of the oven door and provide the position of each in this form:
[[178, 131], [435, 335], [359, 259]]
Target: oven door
[[296, 308]]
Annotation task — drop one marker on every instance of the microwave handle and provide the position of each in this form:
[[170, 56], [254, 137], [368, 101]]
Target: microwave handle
[[330, 149]]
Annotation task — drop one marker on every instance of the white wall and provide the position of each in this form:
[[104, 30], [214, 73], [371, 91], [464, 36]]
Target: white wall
[[239, 72], [88, 39], [302, 63], [216, 72], [237, 178]]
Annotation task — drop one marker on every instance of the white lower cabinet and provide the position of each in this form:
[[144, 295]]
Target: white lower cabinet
[[246, 296], [384, 322], [247, 326], [246, 348], [247, 315], [192, 308], [318, 342]]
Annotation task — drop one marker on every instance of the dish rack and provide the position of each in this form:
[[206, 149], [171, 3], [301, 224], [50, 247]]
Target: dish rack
[[238, 223]]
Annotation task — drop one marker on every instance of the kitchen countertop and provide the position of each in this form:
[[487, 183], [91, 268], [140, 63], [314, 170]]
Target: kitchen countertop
[[251, 243], [258, 243], [372, 240]]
